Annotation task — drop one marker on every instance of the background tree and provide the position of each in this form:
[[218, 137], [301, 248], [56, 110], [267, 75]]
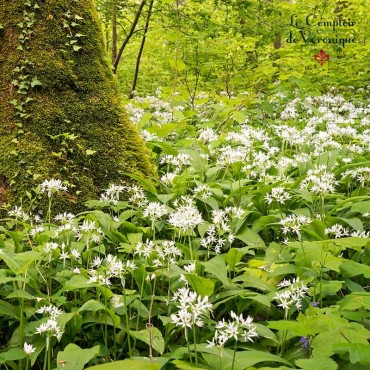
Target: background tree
[[60, 112]]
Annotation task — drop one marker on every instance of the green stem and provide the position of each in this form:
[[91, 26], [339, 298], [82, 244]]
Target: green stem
[[195, 345], [127, 323], [191, 249], [232, 366], [187, 341]]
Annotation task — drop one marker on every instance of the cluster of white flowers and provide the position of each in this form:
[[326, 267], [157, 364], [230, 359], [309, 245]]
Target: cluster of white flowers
[[291, 294], [154, 211], [167, 254], [19, 214], [293, 224], [207, 135], [360, 175], [278, 194], [202, 191], [67, 223], [238, 329], [337, 230], [186, 216], [112, 194], [192, 308], [50, 327], [136, 195], [319, 181], [104, 269], [52, 186], [89, 231], [144, 249]]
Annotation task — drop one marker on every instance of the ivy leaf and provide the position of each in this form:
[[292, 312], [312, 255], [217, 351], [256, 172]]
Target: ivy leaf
[[76, 47], [35, 82]]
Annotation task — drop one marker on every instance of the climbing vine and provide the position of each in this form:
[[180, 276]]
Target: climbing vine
[[23, 80], [71, 25]]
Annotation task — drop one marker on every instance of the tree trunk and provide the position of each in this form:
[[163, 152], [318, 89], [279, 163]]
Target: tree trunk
[[138, 59], [114, 32], [60, 113]]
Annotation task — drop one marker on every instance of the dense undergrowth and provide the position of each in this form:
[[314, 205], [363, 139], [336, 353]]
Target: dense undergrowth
[[251, 251]]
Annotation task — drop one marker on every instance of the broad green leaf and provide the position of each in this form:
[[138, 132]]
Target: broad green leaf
[[75, 358], [20, 293], [151, 336], [250, 237], [359, 353], [182, 365], [12, 354], [92, 305], [129, 364], [355, 301], [218, 268], [251, 281], [233, 257], [352, 268], [202, 286], [298, 329], [7, 309], [317, 362], [328, 287], [78, 282], [325, 342], [354, 222], [361, 207], [243, 359]]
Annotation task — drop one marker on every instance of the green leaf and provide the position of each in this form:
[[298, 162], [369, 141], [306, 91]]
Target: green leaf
[[92, 305], [250, 237], [243, 359], [218, 268], [20, 293], [317, 363], [90, 152], [352, 268], [35, 82], [182, 365], [202, 286], [233, 257], [361, 207], [75, 358], [151, 336], [355, 301], [297, 329], [129, 364], [239, 117], [358, 352], [77, 282], [251, 281], [354, 222], [12, 354]]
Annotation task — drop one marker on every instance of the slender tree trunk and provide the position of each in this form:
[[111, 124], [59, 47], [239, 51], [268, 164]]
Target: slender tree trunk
[[114, 31], [133, 88], [129, 35]]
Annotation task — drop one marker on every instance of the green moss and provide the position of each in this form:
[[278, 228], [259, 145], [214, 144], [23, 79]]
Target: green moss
[[78, 96]]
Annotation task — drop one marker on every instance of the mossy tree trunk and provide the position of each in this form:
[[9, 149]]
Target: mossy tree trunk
[[60, 113]]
